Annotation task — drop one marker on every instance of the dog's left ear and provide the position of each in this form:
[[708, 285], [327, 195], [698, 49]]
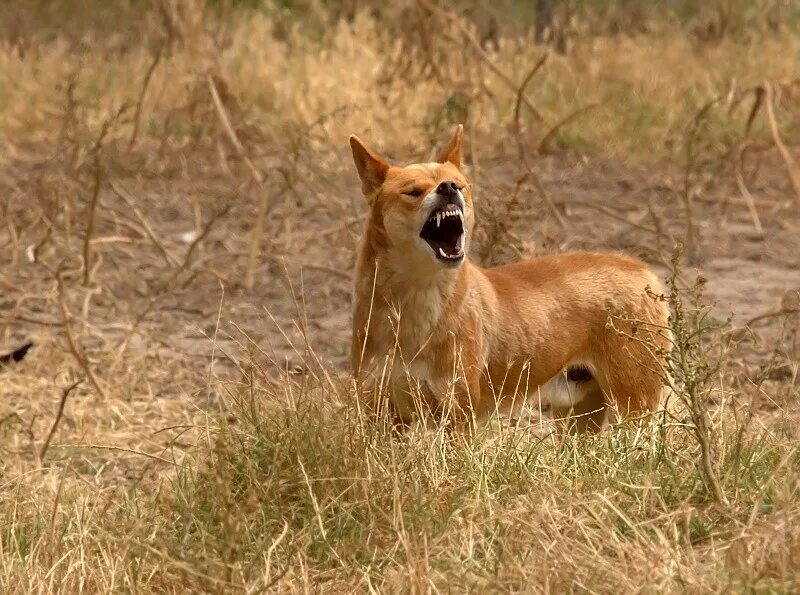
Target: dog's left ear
[[453, 151]]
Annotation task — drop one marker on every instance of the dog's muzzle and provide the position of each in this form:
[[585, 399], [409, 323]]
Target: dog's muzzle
[[444, 228]]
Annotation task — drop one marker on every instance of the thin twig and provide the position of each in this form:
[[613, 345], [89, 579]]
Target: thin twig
[[774, 314], [263, 205], [523, 157], [96, 151], [200, 237], [791, 164], [758, 101], [87, 239], [74, 347], [520, 93], [32, 439], [537, 185], [29, 320], [543, 144], [610, 213], [168, 21], [119, 449], [122, 193], [745, 192], [145, 84], [688, 190], [57, 500], [312, 266], [64, 394]]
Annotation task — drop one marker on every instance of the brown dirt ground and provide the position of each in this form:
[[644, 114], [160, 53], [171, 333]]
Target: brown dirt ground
[[162, 372]]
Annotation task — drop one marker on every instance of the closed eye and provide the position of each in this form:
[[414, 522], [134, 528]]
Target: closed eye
[[413, 192]]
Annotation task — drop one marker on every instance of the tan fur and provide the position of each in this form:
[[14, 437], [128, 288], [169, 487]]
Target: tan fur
[[466, 339]]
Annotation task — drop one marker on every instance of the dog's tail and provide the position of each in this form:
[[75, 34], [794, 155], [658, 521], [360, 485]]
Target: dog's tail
[[15, 356]]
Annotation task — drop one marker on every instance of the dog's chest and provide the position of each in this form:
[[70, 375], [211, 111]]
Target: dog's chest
[[405, 321], [415, 316]]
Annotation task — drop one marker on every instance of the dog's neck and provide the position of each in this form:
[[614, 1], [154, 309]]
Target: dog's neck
[[416, 292]]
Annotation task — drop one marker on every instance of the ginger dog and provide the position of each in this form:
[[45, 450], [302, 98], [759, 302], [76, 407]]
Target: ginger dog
[[583, 331]]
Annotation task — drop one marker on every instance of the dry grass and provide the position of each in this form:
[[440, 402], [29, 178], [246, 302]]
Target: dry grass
[[185, 418]]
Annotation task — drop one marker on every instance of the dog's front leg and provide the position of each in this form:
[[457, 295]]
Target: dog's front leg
[[470, 400], [467, 391]]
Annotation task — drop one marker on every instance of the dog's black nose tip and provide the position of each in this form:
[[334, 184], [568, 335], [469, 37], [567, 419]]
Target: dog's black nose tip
[[447, 189]]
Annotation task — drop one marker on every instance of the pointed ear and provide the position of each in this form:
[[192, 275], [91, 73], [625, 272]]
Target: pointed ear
[[371, 167], [453, 152]]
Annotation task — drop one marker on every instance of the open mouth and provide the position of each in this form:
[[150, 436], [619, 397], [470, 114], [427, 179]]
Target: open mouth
[[444, 232]]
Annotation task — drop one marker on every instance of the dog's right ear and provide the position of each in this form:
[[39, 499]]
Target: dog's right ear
[[371, 167], [453, 151]]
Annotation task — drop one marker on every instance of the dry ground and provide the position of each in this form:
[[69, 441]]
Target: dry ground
[[182, 341], [129, 200]]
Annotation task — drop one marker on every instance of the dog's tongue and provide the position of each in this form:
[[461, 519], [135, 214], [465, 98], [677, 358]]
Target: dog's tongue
[[452, 248], [444, 231]]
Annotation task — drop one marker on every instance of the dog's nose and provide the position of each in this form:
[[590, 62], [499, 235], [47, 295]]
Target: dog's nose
[[447, 189]]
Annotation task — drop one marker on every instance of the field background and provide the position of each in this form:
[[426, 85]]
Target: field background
[[179, 216]]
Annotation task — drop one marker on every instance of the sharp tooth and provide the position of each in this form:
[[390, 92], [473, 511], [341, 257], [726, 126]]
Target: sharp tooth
[[438, 219], [442, 253], [460, 215]]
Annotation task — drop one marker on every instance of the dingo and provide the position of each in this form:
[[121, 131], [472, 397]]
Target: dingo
[[461, 339]]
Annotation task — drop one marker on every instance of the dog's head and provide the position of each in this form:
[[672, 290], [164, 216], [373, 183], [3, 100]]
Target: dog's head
[[423, 212]]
